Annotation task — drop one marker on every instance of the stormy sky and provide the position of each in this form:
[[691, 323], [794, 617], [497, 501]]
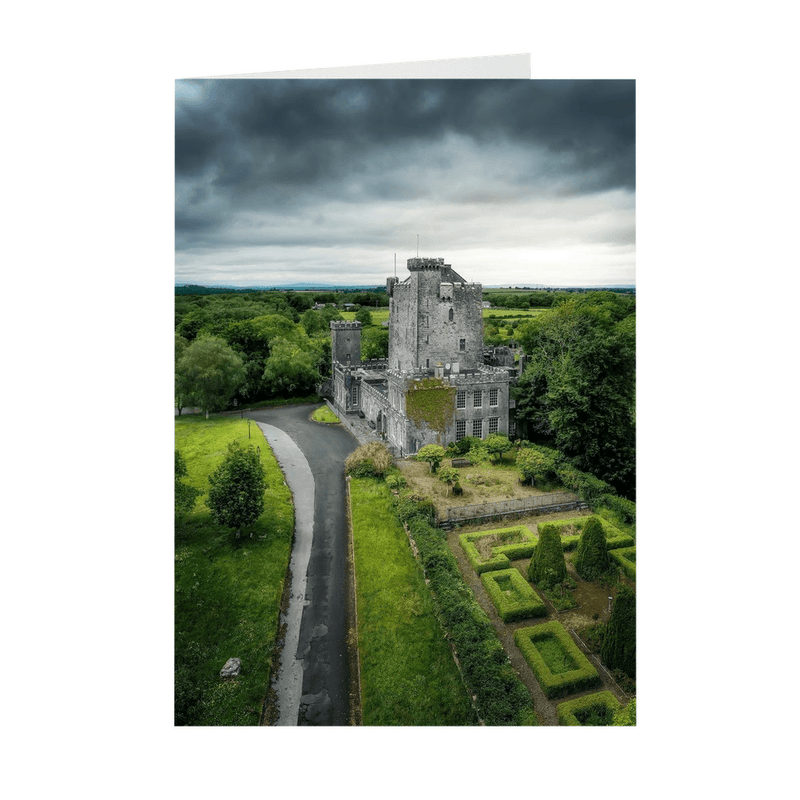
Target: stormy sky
[[513, 182]]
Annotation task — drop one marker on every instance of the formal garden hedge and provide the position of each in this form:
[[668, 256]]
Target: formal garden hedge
[[591, 709], [502, 554], [513, 597], [501, 698], [555, 659], [615, 538], [625, 558]]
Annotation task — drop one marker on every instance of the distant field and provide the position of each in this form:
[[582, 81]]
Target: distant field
[[382, 314]]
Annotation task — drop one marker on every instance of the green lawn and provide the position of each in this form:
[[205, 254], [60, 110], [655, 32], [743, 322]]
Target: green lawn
[[324, 414], [227, 591], [408, 676]]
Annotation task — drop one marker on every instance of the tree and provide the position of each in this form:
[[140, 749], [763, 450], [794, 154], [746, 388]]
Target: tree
[[591, 560], [619, 644], [363, 316], [236, 496], [433, 454], [209, 372], [547, 567], [537, 464], [578, 391], [375, 343], [292, 368], [626, 715], [497, 444], [185, 495], [450, 476], [181, 346]]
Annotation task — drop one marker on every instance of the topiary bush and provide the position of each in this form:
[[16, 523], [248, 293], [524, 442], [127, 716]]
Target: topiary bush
[[512, 595], [619, 645], [547, 567], [591, 560], [371, 460], [625, 558]]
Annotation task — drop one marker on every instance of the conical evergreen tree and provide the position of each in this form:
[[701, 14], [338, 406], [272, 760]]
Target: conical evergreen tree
[[619, 644], [591, 560], [547, 567]]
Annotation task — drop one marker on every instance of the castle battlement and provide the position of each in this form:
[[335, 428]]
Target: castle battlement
[[419, 264], [343, 324]]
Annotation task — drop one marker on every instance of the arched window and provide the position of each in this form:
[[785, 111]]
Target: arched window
[[450, 315]]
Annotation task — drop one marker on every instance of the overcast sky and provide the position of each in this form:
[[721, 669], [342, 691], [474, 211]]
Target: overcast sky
[[513, 182]]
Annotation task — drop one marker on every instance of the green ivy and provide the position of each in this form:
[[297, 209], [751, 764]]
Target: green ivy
[[432, 402]]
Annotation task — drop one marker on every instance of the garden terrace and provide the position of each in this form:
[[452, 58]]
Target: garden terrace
[[591, 709], [495, 549], [512, 595], [555, 659], [541, 504]]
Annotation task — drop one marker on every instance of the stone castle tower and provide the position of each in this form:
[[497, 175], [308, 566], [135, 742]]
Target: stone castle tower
[[434, 319]]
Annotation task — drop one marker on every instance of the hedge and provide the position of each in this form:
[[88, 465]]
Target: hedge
[[626, 509], [620, 557], [523, 602], [501, 698], [569, 711], [615, 538], [503, 554], [582, 675]]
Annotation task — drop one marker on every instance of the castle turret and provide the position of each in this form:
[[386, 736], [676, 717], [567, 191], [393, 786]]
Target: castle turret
[[346, 342]]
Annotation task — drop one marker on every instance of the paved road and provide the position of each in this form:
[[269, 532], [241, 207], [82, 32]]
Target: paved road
[[320, 652]]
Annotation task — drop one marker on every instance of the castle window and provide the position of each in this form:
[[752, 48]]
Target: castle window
[[461, 429], [461, 400], [462, 344], [354, 394], [477, 399], [477, 427], [512, 427], [347, 358], [450, 315], [492, 397], [493, 424]]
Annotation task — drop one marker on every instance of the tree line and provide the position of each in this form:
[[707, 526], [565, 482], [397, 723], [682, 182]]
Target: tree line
[[235, 349]]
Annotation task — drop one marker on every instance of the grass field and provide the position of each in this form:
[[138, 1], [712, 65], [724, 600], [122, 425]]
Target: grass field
[[227, 590], [380, 315], [408, 675]]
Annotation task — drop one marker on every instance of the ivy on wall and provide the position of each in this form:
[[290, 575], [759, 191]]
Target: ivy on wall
[[432, 402]]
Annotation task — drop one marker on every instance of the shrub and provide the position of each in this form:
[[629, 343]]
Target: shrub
[[602, 705], [500, 696], [626, 509], [537, 464], [555, 659], [547, 567], [371, 460], [396, 482], [625, 557], [502, 554], [512, 595], [626, 715], [591, 560], [619, 645]]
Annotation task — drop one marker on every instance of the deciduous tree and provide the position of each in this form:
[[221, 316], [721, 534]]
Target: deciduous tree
[[433, 454], [236, 496], [185, 495], [210, 372]]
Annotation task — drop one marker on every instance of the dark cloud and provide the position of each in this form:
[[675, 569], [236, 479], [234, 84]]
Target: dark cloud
[[301, 163]]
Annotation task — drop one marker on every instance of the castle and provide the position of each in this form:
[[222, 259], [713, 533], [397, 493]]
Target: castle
[[438, 384]]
